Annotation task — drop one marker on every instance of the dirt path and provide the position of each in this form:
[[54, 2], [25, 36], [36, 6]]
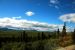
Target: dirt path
[[72, 47]]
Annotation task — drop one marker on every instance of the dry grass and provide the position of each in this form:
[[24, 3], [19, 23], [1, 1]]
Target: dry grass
[[65, 41]]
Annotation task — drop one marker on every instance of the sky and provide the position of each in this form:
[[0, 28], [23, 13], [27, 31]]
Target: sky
[[44, 15]]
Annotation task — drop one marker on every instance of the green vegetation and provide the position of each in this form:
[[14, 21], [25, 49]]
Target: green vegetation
[[27, 40], [35, 40]]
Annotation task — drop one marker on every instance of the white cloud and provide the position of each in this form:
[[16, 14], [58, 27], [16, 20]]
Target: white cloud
[[57, 7], [54, 1], [25, 24], [68, 17], [16, 17], [29, 13]]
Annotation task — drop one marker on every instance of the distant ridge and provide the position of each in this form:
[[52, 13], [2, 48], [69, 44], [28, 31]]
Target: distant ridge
[[5, 29]]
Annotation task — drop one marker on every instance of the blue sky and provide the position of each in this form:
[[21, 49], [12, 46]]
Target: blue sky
[[48, 11]]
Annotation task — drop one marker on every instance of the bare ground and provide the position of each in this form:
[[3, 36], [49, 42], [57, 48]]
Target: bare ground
[[72, 47]]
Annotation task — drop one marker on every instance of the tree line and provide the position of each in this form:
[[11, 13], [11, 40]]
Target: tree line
[[24, 38]]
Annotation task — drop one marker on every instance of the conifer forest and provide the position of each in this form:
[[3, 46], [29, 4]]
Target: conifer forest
[[35, 40]]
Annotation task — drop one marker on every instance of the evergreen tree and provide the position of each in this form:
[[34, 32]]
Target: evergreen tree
[[64, 30], [0, 42], [39, 36], [48, 36], [21, 37], [43, 36], [25, 36], [13, 38], [73, 36], [58, 33]]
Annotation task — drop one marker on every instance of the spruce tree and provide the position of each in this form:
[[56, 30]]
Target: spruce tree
[[39, 36], [43, 36], [64, 30], [0, 42], [25, 36], [73, 36], [58, 33], [49, 36]]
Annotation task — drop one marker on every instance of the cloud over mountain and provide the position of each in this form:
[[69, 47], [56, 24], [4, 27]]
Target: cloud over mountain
[[15, 23]]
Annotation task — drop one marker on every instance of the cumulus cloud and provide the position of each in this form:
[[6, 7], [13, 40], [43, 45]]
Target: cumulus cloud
[[68, 17], [13, 23], [29, 13]]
